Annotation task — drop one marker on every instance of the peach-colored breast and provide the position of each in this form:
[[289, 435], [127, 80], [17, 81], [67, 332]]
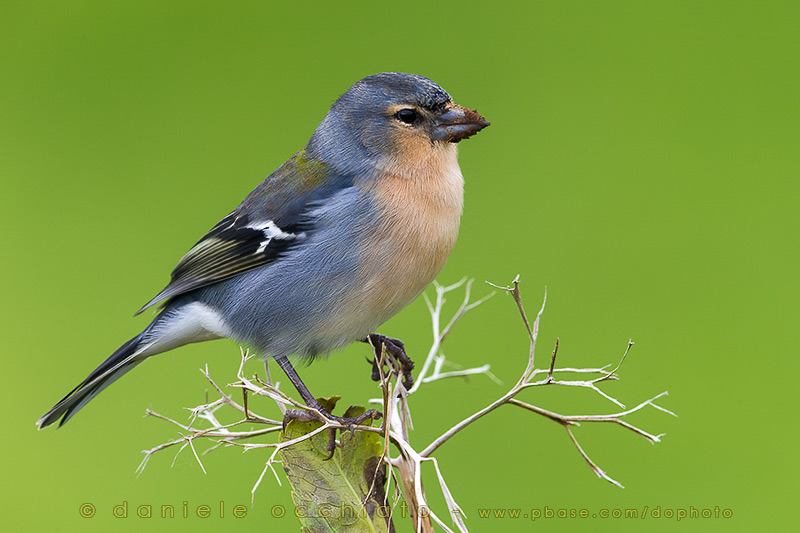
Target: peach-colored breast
[[420, 203]]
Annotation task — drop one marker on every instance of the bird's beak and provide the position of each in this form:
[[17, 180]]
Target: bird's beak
[[457, 123]]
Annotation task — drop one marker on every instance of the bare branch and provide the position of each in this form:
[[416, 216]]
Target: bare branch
[[440, 334], [553, 362], [597, 470], [526, 381]]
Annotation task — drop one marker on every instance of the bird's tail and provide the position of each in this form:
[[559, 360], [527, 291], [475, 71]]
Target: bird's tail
[[121, 361]]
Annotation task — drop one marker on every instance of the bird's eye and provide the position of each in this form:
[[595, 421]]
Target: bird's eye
[[406, 115]]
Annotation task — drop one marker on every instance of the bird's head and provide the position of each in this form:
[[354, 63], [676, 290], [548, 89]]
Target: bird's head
[[392, 116]]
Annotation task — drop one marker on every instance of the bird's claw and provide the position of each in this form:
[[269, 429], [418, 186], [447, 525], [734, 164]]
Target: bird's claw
[[396, 349], [349, 423], [301, 415]]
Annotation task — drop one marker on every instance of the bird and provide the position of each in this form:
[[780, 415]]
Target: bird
[[338, 239]]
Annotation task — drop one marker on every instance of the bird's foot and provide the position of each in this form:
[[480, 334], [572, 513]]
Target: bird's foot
[[395, 349], [302, 415]]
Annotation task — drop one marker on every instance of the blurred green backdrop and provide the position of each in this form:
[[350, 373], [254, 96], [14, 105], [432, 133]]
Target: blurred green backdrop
[[642, 164]]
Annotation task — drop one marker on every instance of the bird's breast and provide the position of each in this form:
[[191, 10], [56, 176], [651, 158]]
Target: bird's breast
[[419, 210], [402, 240]]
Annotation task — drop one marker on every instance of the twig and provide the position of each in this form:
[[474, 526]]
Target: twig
[[526, 381]]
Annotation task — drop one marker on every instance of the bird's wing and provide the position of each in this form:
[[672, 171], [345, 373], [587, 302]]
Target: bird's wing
[[269, 222], [234, 245]]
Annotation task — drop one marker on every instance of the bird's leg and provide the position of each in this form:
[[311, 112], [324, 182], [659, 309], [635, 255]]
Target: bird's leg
[[311, 401], [396, 349]]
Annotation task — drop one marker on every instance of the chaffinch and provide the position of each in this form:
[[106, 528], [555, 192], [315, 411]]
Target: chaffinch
[[343, 235]]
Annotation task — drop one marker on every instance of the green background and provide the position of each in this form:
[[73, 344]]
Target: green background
[[642, 164]]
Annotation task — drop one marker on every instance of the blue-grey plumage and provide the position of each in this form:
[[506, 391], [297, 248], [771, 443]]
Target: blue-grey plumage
[[332, 244]]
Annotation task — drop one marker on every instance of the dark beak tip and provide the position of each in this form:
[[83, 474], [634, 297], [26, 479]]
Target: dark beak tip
[[460, 123], [472, 116]]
